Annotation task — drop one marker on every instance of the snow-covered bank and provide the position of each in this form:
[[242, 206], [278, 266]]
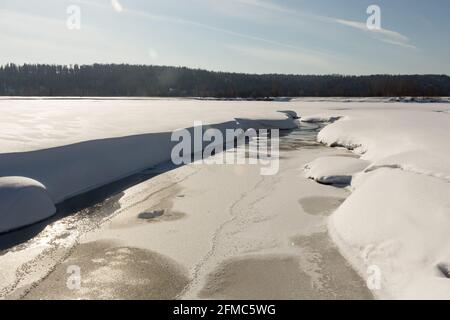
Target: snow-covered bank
[[398, 217], [412, 140], [107, 144], [398, 221]]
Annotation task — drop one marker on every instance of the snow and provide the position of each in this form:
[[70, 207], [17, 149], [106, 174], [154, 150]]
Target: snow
[[398, 216], [334, 170], [374, 99], [319, 118], [399, 222], [289, 122], [23, 201], [72, 146], [413, 140], [36, 124]]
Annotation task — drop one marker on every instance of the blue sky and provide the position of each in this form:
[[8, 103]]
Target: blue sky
[[256, 36]]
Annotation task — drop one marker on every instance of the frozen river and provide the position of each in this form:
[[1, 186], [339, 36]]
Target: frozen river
[[197, 231]]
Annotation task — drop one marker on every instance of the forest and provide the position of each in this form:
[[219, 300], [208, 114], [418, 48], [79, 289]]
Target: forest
[[123, 80]]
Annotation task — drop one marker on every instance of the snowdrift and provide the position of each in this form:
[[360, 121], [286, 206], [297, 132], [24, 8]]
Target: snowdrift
[[399, 221], [398, 217]]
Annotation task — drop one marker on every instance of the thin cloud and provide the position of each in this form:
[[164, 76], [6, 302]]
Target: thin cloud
[[388, 36], [177, 20], [384, 35], [208, 27]]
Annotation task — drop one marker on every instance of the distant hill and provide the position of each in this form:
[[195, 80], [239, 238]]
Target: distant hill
[[162, 81]]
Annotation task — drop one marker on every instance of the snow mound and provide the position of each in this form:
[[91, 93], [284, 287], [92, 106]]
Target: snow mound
[[399, 222], [23, 201], [335, 170], [398, 217]]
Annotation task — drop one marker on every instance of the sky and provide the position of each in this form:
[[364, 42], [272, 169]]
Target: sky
[[251, 36]]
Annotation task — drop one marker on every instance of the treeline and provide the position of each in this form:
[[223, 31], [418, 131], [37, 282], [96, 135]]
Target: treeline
[[161, 81]]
